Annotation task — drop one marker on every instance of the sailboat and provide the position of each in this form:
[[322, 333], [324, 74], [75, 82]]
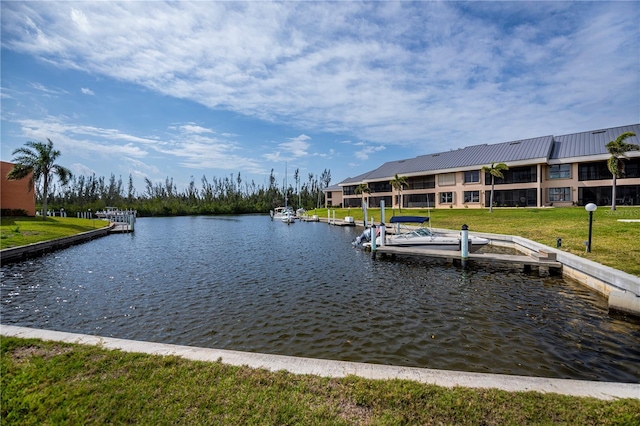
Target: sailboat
[[286, 213]]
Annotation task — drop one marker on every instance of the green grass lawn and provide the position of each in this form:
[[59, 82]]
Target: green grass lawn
[[55, 383], [614, 243], [20, 231]]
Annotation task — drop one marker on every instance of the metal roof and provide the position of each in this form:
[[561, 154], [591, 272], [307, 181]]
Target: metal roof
[[534, 150], [590, 143], [335, 187], [354, 180]]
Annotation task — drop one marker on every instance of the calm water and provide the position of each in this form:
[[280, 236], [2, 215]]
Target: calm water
[[250, 284]]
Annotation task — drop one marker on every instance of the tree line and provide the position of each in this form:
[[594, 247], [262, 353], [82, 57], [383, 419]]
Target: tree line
[[217, 195], [227, 195]]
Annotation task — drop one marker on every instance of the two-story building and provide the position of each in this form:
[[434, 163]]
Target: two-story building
[[544, 171]]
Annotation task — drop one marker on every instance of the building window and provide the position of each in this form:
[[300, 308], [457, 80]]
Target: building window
[[420, 200], [379, 187], [559, 194], [329, 195], [349, 190], [447, 179], [472, 176], [600, 171], [471, 196], [446, 198], [422, 182], [525, 174], [594, 171], [560, 171]]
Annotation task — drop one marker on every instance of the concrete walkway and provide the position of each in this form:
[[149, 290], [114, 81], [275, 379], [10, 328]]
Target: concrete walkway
[[328, 368]]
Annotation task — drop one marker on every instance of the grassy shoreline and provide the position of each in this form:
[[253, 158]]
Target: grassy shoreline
[[53, 383], [21, 231]]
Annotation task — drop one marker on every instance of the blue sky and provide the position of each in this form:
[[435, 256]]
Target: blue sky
[[211, 89]]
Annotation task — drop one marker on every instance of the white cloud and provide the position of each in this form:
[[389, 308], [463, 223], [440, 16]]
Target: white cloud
[[192, 128], [367, 150], [80, 169], [296, 147], [48, 90], [87, 91], [80, 20], [427, 74]]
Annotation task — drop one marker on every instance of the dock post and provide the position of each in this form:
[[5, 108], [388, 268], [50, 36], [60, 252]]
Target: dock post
[[383, 228], [464, 245], [364, 211], [373, 240]]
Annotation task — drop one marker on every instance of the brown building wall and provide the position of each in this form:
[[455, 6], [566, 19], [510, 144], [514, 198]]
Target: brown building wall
[[15, 194]]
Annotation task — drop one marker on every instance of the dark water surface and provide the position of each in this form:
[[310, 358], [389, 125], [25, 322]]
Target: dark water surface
[[247, 283]]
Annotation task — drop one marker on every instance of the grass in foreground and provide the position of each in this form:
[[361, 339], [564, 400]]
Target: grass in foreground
[[20, 231], [55, 383], [615, 244]]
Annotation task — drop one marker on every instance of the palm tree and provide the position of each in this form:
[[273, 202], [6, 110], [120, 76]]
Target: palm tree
[[397, 183], [495, 170], [362, 189], [617, 149], [39, 160]]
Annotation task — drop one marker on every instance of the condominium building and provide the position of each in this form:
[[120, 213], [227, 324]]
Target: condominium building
[[543, 171]]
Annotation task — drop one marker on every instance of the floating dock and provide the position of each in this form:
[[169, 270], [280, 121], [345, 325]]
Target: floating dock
[[120, 228], [341, 223], [544, 261]]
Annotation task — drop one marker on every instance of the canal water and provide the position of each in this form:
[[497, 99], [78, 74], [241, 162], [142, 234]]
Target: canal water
[[251, 284]]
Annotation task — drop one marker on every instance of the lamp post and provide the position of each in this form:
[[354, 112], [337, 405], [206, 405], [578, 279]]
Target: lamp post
[[591, 207]]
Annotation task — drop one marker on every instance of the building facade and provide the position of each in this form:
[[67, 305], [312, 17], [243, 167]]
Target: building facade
[[16, 195], [544, 171]]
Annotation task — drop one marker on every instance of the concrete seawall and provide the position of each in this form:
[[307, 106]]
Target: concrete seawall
[[15, 254], [620, 288], [329, 368]]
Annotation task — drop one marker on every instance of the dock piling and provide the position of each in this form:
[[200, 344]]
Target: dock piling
[[464, 245], [373, 240]]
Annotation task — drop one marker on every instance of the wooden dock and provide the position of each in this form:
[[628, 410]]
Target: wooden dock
[[120, 228], [545, 261], [341, 223]]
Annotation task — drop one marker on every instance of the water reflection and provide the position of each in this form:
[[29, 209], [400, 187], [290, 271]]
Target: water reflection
[[247, 283]]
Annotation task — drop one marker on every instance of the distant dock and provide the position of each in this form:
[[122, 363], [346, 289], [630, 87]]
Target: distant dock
[[120, 228], [122, 221]]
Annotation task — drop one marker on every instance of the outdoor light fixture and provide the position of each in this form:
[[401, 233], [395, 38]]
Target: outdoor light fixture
[[591, 207]]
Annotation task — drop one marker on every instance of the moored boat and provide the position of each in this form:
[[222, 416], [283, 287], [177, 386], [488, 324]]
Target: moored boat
[[423, 237], [282, 213]]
